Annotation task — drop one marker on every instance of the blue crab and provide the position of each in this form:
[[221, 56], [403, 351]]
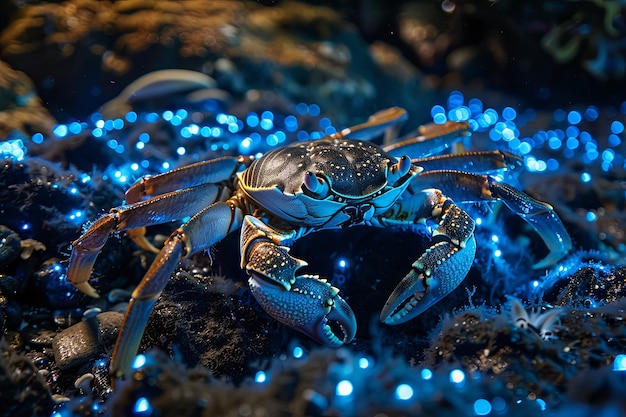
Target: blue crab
[[338, 181]]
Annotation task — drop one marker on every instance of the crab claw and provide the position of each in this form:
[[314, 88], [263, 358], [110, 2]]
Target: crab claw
[[312, 306], [434, 275]]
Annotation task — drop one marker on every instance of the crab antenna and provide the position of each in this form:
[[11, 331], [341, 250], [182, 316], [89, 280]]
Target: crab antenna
[[315, 184]]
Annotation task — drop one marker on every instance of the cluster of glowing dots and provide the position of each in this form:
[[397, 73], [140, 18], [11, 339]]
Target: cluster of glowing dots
[[571, 141]]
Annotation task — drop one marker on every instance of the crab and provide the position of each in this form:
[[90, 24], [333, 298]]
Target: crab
[[338, 181]]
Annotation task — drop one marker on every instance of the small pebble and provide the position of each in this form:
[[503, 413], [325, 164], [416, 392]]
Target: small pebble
[[81, 342]]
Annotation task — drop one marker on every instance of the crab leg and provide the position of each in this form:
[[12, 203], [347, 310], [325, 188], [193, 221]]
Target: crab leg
[[433, 138], [201, 232], [162, 209], [478, 162], [214, 171], [442, 267], [304, 302], [463, 186]]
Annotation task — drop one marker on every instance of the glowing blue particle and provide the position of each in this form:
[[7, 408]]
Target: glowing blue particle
[[404, 392], [60, 131], [554, 142], [437, 110], [364, 363], [440, 118], [585, 177], [497, 253], [246, 143], [267, 115], [75, 128], [142, 406], [291, 123], [508, 134], [152, 117], [525, 148], [165, 165], [455, 99], [118, 124], [478, 221], [482, 407], [344, 388], [266, 124], [509, 113], [119, 149], [572, 131], [25, 226], [459, 114], [176, 121], [535, 283], [37, 138], [140, 145], [260, 377], [608, 155], [131, 117], [571, 143], [495, 238], [73, 190], [181, 150], [272, 140], [342, 263], [298, 352], [619, 363], [542, 404], [182, 113], [134, 166], [488, 118], [574, 117], [325, 122], [614, 140], [591, 216], [112, 143], [475, 106], [559, 115], [167, 115], [139, 361], [252, 119], [591, 113], [314, 110], [185, 132], [553, 164], [426, 374], [145, 163], [617, 127], [457, 376], [281, 136], [302, 108]]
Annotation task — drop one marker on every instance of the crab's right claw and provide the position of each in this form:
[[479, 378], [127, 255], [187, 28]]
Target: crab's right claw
[[311, 306]]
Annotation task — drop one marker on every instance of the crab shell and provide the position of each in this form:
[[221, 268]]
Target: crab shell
[[326, 183]]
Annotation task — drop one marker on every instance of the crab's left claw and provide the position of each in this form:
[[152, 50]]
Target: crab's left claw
[[434, 275], [311, 306]]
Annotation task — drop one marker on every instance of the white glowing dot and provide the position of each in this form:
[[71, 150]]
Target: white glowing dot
[[344, 388], [134, 166], [260, 377], [535, 284], [426, 374], [181, 150], [140, 360], [342, 263], [457, 376], [479, 221], [495, 238], [404, 392], [143, 406], [364, 363], [497, 253]]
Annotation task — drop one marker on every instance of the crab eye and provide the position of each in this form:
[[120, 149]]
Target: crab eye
[[399, 169], [316, 185]]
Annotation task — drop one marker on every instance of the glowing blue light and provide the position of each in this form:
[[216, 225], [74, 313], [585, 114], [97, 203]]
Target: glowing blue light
[[542, 404], [298, 352], [364, 363], [112, 143], [458, 114], [344, 388], [73, 190], [591, 113], [134, 166], [404, 392], [426, 374], [591, 216], [455, 99], [559, 115], [260, 377], [176, 121], [266, 124], [118, 124], [152, 117], [440, 118], [272, 140], [139, 361], [475, 105], [614, 140], [142, 406], [495, 238], [508, 134], [165, 165], [619, 363], [302, 135], [252, 120], [585, 177], [131, 117], [572, 131], [291, 123], [140, 145], [571, 143], [181, 150], [608, 155], [617, 127], [182, 113], [75, 128], [535, 283], [482, 407], [509, 113], [437, 110], [574, 117], [60, 131], [554, 143], [342, 263], [497, 253], [245, 144], [553, 164], [314, 110], [457, 376], [302, 108], [37, 138], [167, 115]]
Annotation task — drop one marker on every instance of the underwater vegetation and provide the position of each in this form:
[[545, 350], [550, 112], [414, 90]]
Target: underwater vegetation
[[96, 94]]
